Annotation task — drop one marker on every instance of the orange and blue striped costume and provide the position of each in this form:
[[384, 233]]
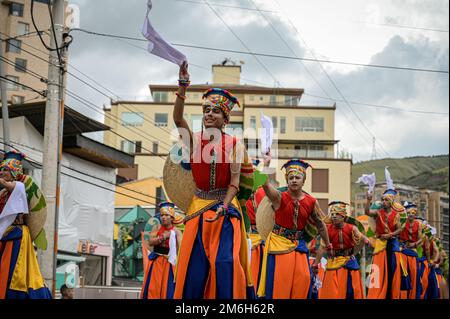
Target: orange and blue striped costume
[[411, 234], [286, 272], [387, 270], [342, 275], [213, 257], [159, 276], [257, 242]]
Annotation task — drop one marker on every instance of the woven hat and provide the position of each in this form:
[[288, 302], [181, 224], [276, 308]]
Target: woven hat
[[265, 218], [179, 184], [37, 215]]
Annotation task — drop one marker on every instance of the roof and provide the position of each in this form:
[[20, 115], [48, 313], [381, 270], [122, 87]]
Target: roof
[[233, 88], [74, 122], [135, 213], [73, 142], [96, 152]]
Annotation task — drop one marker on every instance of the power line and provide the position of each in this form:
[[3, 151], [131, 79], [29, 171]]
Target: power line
[[239, 39], [272, 55], [380, 106], [18, 83], [13, 145], [353, 21]]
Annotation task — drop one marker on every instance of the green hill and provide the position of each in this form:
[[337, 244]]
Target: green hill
[[422, 171]]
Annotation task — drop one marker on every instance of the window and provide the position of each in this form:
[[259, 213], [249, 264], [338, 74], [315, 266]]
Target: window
[[196, 122], [22, 28], [138, 147], [253, 122], [42, 1], [13, 45], [309, 124], [127, 146], [320, 180], [16, 9], [15, 99], [10, 86], [282, 125], [131, 147], [155, 148], [251, 98], [21, 65], [160, 97], [273, 100], [161, 119], [261, 98], [275, 122], [132, 118], [290, 100], [232, 128]]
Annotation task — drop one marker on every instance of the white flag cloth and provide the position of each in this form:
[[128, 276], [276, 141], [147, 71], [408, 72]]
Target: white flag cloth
[[389, 182], [16, 204], [368, 179], [173, 248], [266, 133], [157, 45]]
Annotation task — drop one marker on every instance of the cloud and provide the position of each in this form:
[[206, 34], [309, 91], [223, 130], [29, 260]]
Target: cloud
[[126, 68]]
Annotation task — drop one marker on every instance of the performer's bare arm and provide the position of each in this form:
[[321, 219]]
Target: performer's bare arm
[[420, 238], [9, 186], [271, 192], [367, 206], [178, 110], [320, 224], [435, 256], [359, 239], [399, 227], [159, 239]]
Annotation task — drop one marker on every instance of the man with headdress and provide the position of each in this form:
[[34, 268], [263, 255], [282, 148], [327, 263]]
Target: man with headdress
[[429, 282], [286, 273], [213, 259], [342, 275], [20, 277], [257, 248], [387, 270], [159, 276], [411, 237]]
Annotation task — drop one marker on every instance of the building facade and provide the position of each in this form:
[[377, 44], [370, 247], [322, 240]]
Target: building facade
[[432, 205], [23, 50], [305, 132]]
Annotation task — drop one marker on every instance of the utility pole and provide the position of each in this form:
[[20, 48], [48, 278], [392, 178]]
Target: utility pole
[[5, 114], [54, 115]]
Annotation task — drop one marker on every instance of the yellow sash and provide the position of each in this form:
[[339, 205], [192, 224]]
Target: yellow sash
[[337, 262], [256, 240], [275, 244], [26, 273]]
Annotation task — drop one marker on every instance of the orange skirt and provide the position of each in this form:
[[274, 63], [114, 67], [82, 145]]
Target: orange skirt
[[288, 276], [411, 263], [158, 280], [209, 264], [256, 263], [338, 283], [379, 277]]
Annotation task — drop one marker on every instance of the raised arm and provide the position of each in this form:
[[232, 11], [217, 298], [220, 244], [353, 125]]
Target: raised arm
[[318, 216], [367, 206], [271, 192], [178, 110], [9, 186]]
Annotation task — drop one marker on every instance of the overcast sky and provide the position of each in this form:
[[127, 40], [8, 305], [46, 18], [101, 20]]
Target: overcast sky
[[350, 31]]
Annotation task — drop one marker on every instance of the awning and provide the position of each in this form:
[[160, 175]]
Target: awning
[[77, 259]]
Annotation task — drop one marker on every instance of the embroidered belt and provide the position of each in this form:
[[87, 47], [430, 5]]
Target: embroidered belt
[[287, 233], [343, 252], [218, 193], [161, 250]]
